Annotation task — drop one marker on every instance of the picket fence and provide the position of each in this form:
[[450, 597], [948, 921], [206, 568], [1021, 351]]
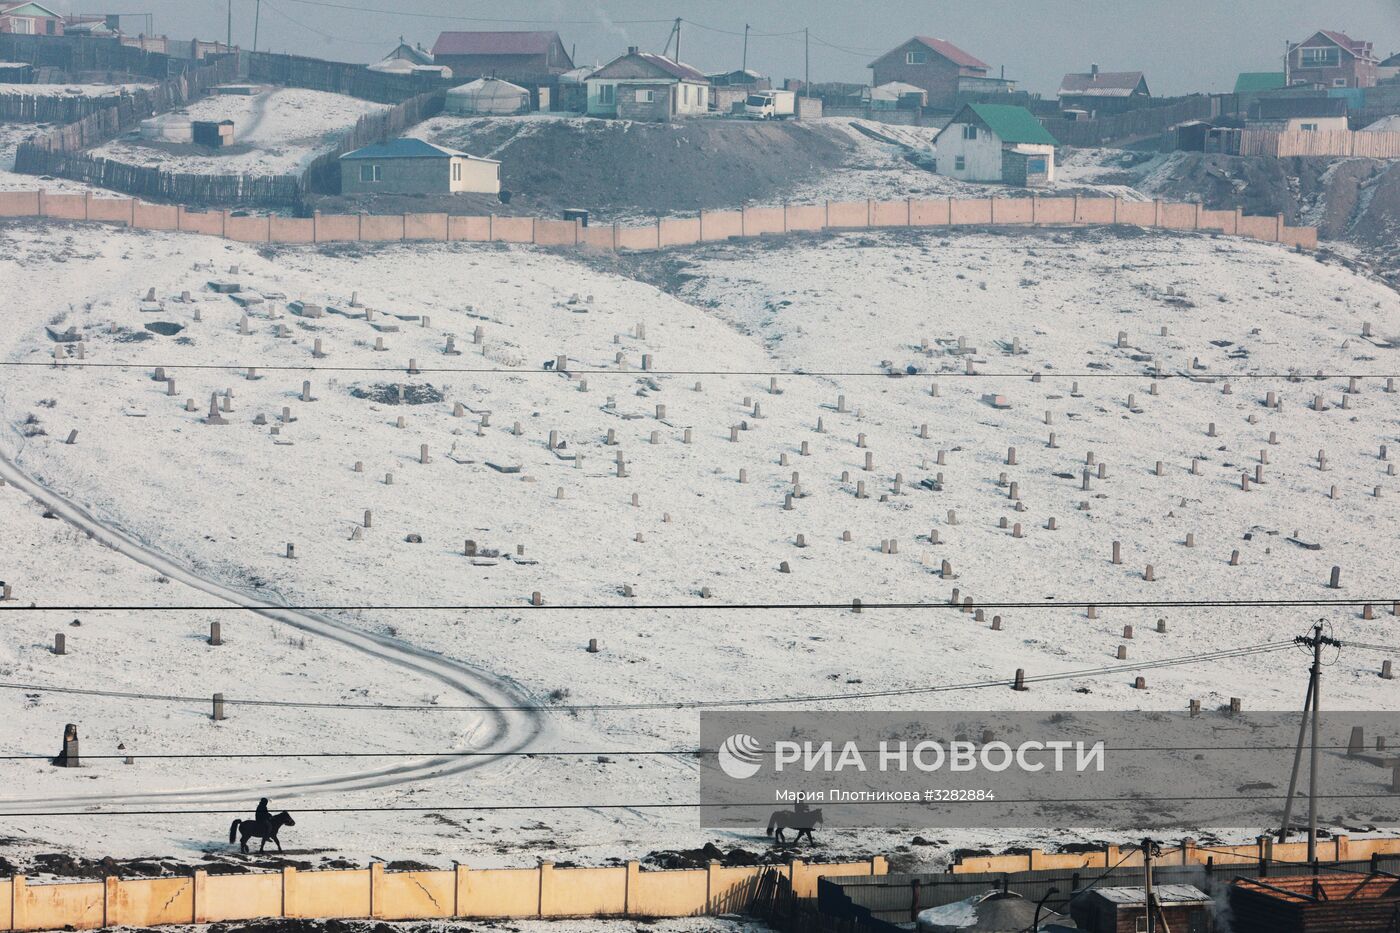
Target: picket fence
[[1351, 143], [492, 893], [665, 232]]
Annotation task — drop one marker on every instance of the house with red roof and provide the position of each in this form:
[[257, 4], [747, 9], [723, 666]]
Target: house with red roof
[[936, 65], [647, 86], [532, 59], [1331, 59]]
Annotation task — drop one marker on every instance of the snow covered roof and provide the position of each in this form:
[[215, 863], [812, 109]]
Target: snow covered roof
[[405, 52], [494, 43], [990, 912], [678, 70], [894, 90], [1102, 83], [1164, 893], [407, 147]]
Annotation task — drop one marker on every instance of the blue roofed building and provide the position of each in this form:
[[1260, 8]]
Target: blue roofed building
[[415, 166]]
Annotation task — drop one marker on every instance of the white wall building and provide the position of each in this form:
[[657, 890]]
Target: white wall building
[[996, 143]]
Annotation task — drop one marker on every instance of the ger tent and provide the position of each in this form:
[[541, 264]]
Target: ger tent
[[992, 912], [488, 95]]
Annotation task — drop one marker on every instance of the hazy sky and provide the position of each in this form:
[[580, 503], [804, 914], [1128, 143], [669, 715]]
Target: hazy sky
[[1182, 45]]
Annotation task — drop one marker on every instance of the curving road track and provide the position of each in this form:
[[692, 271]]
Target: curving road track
[[501, 730]]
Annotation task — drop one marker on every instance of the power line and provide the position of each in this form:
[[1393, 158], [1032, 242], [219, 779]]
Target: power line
[[1221, 655], [608, 753], [326, 4], [667, 805], [1049, 602]]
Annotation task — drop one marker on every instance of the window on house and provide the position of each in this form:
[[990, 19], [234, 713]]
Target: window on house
[[456, 171], [371, 171], [607, 94], [960, 164], [1308, 127], [916, 58], [1339, 82], [1322, 57], [646, 96], [1141, 925], [50, 26], [969, 131]]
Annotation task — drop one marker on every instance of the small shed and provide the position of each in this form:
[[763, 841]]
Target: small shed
[[212, 133], [488, 96], [415, 166], [16, 73], [1184, 908], [1335, 901]]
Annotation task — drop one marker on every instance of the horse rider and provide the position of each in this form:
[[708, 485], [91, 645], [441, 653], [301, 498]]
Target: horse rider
[[263, 817], [801, 808]]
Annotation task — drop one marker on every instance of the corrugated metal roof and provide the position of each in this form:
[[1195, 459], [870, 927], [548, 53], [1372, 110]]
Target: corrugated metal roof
[[1010, 123], [1102, 84], [494, 43], [1164, 893], [408, 147], [1288, 108]]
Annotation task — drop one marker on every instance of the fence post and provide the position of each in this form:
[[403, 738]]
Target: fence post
[[1115, 210], [702, 225], [376, 893], [109, 899], [1156, 212], [658, 232], [289, 880], [992, 209], [711, 884], [869, 213], [614, 238], [629, 890], [130, 202], [459, 873], [1278, 228], [546, 874], [315, 226], [826, 216], [534, 224], [43, 206], [1035, 209], [1197, 219], [743, 221], [785, 217], [197, 896], [908, 212], [1075, 219], [19, 919], [87, 205]]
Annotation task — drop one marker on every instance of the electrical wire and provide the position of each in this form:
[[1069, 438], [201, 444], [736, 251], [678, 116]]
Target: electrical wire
[[327, 4], [1221, 655], [1050, 602], [666, 805]]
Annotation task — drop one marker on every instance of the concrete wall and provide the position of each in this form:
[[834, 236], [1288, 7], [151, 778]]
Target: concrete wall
[[544, 891], [708, 226]]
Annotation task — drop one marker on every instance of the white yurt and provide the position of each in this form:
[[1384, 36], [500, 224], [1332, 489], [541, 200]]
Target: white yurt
[[488, 95]]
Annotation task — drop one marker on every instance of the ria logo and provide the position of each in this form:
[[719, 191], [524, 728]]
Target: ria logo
[[741, 756]]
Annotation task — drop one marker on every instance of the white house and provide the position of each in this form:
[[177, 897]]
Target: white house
[[996, 143], [646, 86]]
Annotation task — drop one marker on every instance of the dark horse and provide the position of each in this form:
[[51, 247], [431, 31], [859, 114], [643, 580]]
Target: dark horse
[[261, 830], [804, 822]]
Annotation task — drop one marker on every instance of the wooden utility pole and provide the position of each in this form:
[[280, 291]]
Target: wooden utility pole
[[1149, 849], [678, 38], [745, 66], [257, 17], [229, 40], [1312, 703]]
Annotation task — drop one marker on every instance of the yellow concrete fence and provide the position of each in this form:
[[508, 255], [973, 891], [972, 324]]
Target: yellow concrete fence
[[706, 227], [542, 892], [1340, 848]]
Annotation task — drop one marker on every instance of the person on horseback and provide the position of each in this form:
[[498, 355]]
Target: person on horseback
[[263, 817]]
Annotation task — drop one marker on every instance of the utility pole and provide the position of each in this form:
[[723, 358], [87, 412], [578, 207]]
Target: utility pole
[[257, 17], [1312, 703], [806, 63], [678, 38], [1149, 849], [229, 41], [746, 47]]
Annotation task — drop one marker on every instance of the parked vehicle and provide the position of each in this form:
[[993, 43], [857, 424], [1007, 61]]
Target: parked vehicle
[[771, 105]]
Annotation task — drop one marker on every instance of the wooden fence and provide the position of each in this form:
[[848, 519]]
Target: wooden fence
[[322, 176], [339, 77], [89, 54], [1352, 143], [1134, 124], [666, 232], [541, 892], [1339, 848], [150, 182], [47, 108]]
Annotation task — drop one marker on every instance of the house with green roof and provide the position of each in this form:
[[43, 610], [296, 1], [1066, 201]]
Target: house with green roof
[[996, 143], [1253, 82]]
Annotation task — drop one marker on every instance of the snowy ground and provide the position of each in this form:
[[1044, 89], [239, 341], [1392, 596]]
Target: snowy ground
[[11, 135], [278, 131], [70, 90], [223, 501]]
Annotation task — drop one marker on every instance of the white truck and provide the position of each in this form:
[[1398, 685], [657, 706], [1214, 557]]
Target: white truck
[[771, 105]]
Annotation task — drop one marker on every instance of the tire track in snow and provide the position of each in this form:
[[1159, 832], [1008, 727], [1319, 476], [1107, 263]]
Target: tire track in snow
[[502, 730]]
